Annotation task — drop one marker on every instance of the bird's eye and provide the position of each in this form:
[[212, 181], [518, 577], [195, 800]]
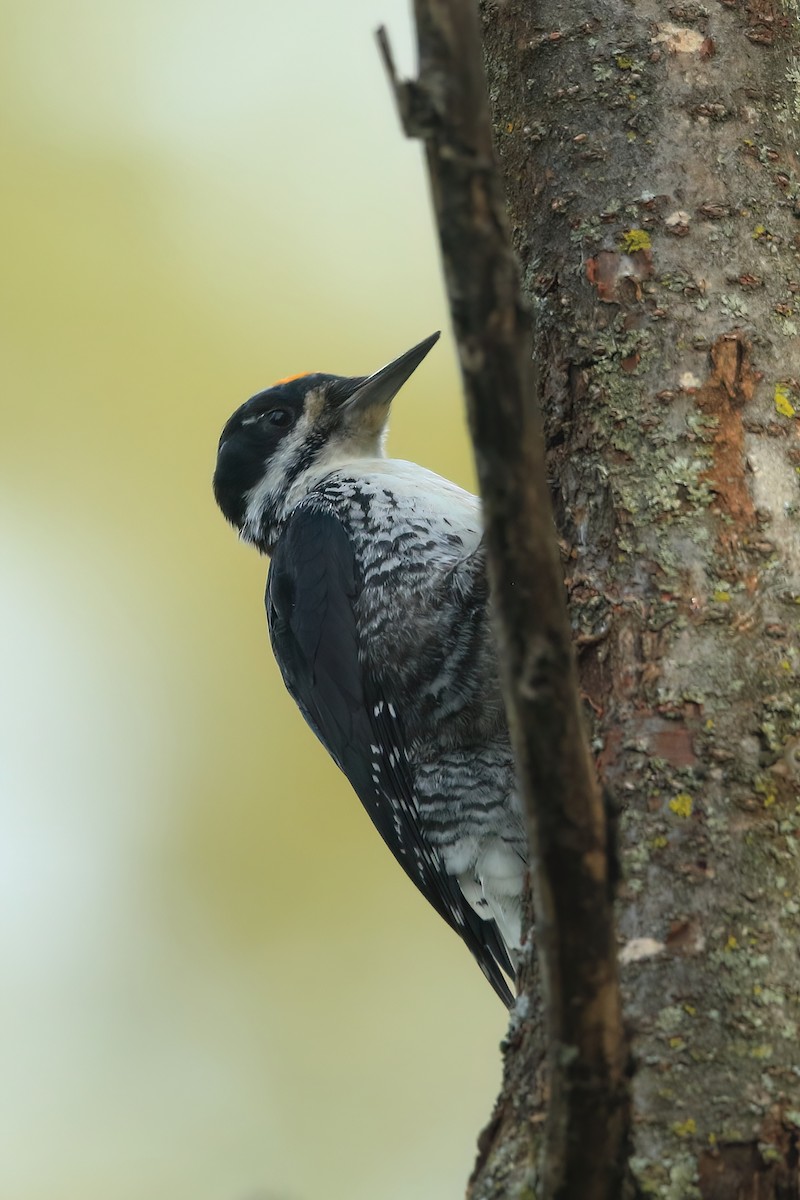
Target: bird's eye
[[279, 416]]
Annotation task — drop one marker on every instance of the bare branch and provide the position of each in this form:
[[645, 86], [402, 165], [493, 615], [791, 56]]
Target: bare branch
[[587, 1124]]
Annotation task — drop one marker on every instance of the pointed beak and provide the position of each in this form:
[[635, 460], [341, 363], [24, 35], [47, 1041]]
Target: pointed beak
[[378, 390]]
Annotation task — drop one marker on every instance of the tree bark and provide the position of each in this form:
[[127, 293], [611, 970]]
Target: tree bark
[[650, 166], [652, 182], [587, 1123]]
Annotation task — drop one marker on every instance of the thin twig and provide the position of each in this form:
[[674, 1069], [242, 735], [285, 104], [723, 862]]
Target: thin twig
[[588, 1116]]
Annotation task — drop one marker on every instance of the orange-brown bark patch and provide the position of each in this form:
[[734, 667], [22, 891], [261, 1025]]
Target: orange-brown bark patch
[[686, 937], [727, 390], [742, 1170], [617, 276]]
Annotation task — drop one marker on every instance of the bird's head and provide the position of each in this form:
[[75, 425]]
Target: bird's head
[[282, 440]]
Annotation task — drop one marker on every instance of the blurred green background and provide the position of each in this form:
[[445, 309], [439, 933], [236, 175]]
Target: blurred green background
[[216, 983]]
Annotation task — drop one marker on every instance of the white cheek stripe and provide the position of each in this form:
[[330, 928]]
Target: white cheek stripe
[[331, 456], [258, 497]]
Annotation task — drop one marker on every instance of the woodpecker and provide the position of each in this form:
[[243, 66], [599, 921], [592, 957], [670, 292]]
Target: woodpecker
[[378, 614]]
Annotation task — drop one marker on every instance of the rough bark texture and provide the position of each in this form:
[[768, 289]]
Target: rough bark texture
[[586, 1115], [649, 158]]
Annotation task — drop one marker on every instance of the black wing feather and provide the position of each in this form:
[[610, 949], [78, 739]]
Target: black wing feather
[[312, 589]]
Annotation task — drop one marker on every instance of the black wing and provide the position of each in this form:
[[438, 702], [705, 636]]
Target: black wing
[[311, 592]]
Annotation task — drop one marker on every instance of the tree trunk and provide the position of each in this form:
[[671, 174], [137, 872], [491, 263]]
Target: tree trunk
[[652, 181]]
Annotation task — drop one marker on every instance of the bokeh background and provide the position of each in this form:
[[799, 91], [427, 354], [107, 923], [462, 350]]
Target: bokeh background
[[216, 984]]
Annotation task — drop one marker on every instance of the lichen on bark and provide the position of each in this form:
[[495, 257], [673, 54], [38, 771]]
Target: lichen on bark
[[652, 180]]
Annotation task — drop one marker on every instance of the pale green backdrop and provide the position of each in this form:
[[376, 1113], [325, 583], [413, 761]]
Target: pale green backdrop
[[216, 984]]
